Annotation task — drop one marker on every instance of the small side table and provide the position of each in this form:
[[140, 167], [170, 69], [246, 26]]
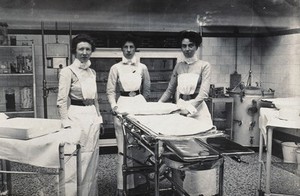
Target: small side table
[[222, 119], [268, 120]]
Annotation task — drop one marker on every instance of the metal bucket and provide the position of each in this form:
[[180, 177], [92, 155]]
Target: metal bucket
[[246, 115], [289, 152]]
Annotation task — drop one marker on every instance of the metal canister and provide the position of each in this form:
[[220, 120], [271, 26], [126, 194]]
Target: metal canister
[[246, 114], [26, 98]]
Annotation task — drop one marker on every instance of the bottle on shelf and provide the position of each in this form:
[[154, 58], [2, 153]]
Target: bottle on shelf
[[10, 99]]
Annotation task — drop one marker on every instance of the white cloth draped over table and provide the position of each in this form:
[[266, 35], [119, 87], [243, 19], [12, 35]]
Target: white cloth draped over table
[[41, 151], [174, 124]]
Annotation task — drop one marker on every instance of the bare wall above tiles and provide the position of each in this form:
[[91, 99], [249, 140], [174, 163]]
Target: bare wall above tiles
[[151, 15]]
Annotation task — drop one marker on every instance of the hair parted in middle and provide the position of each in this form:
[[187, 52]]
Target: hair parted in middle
[[129, 38], [193, 36], [82, 38]]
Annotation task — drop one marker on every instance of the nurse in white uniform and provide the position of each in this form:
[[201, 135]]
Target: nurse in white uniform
[[189, 84], [132, 79], [78, 82]]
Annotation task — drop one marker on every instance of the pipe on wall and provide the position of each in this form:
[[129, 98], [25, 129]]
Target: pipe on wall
[[44, 73]]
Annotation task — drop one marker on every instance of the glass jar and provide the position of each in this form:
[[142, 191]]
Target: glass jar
[[10, 99]]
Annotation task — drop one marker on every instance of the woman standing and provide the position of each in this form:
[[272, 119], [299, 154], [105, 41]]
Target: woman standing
[[190, 79], [133, 80], [189, 84], [78, 82]]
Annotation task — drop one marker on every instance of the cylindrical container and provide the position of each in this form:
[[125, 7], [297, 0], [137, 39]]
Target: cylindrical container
[[20, 63], [26, 98], [10, 99], [246, 115], [198, 179], [289, 152]]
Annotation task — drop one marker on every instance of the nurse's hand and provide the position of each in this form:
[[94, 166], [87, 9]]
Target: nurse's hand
[[184, 112], [102, 130], [114, 111]]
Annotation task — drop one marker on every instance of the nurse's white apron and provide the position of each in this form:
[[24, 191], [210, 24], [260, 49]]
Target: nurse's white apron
[[196, 182], [187, 83], [130, 82], [86, 119]]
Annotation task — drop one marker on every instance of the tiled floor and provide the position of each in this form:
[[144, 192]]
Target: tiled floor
[[240, 179]]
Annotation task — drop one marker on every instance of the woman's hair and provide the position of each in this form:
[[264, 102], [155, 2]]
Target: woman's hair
[[193, 36], [82, 38], [129, 38]]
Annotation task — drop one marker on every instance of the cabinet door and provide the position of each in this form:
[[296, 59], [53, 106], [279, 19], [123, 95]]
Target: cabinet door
[[17, 81], [221, 110], [160, 71]]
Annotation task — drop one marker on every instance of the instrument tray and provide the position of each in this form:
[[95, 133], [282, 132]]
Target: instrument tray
[[191, 149], [227, 147]]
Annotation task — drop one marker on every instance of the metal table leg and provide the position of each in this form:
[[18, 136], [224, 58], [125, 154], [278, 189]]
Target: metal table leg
[[221, 176], [156, 169], [260, 161], [268, 161], [62, 190], [124, 166], [78, 168]]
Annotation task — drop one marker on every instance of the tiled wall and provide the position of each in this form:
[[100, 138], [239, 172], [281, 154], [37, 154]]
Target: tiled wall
[[221, 53], [280, 68]]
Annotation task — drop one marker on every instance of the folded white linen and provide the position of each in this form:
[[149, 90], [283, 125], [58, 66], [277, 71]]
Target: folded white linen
[[28, 128], [289, 102], [289, 108], [173, 124], [150, 108]]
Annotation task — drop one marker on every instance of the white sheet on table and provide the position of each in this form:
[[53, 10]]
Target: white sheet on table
[[288, 102], [150, 108], [270, 117], [28, 128], [3, 117], [40, 151], [173, 124]]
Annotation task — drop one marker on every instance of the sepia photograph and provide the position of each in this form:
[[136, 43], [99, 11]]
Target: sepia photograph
[[149, 98]]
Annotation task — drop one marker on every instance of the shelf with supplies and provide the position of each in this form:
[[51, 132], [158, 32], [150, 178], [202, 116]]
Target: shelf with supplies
[[17, 81], [221, 110]]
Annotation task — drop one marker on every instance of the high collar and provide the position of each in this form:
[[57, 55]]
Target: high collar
[[132, 61], [82, 65], [190, 60]]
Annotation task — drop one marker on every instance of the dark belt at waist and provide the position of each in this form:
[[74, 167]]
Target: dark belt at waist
[[129, 93], [85, 102], [188, 97]]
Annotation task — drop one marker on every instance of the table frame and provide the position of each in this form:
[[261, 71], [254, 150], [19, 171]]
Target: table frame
[[134, 129], [60, 171]]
